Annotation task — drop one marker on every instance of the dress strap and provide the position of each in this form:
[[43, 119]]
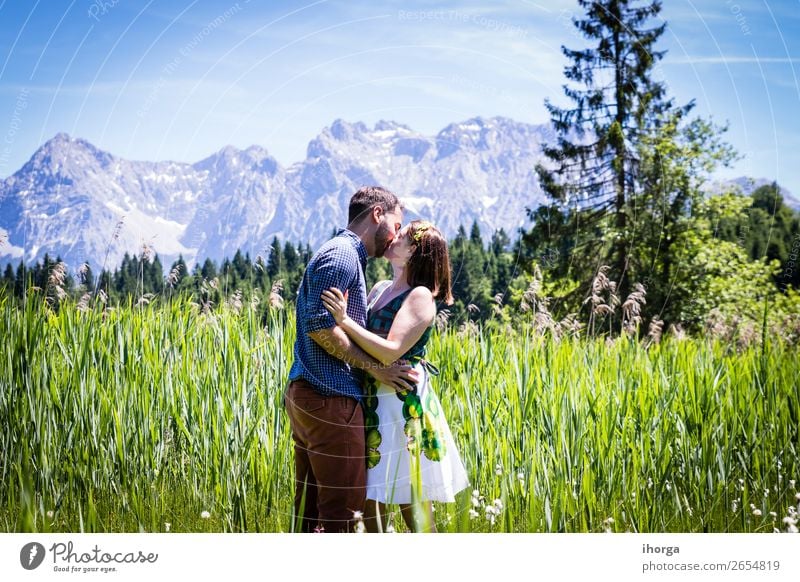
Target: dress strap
[[378, 293]]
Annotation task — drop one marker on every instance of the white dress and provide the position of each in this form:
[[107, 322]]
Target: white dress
[[411, 453]]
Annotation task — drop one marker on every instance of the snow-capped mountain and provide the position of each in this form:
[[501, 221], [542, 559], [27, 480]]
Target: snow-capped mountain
[[749, 185], [74, 200]]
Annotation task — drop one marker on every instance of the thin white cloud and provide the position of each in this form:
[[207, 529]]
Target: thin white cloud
[[708, 60], [141, 87]]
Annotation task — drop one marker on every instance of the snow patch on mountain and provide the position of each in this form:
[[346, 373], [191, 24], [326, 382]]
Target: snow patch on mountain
[[70, 197]]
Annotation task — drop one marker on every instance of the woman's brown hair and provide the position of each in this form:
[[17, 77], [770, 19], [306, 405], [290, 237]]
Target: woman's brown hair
[[429, 263]]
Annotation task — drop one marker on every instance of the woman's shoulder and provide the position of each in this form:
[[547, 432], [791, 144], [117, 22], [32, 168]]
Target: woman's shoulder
[[420, 293], [420, 300]]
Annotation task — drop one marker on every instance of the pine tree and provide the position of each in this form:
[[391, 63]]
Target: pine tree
[[614, 103], [275, 260], [8, 280], [499, 243], [475, 234], [209, 270], [501, 261], [293, 267], [179, 278], [471, 285], [21, 280], [291, 257], [157, 276], [105, 283], [87, 276]]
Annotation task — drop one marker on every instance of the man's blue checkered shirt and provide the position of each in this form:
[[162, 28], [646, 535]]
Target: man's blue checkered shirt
[[340, 262]]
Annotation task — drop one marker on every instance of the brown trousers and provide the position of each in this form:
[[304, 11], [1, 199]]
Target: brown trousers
[[330, 468]]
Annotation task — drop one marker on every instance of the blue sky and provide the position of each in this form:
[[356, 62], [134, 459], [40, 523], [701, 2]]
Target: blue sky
[[180, 79]]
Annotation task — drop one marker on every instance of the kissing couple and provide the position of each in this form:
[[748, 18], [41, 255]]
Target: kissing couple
[[367, 427]]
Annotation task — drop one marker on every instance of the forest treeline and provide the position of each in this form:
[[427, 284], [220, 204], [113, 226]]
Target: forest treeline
[[741, 251]]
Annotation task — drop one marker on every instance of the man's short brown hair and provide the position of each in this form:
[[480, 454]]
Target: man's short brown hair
[[365, 199]]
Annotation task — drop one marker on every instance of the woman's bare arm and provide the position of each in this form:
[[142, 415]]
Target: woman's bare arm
[[414, 317]]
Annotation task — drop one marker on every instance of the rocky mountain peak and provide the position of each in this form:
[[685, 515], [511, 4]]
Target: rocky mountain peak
[[68, 199]]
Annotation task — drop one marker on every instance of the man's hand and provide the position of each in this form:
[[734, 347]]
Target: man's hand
[[400, 375]]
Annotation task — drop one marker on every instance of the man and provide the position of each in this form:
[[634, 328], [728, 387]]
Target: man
[[323, 398]]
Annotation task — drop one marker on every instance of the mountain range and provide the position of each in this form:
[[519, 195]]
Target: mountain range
[[76, 201]]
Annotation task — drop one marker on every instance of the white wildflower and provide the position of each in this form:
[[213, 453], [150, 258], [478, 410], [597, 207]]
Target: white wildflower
[[473, 514], [167, 525], [360, 527], [491, 514], [757, 512], [205, 514]]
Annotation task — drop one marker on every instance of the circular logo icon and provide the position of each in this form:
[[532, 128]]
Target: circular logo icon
[[31, 555]]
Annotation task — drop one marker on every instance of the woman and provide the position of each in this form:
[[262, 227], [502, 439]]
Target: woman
[[411, 455]]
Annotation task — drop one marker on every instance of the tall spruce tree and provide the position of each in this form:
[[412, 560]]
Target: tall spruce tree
[[275, 260], [615, 101]]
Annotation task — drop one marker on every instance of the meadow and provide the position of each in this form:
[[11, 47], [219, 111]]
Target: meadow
[[164, 417]]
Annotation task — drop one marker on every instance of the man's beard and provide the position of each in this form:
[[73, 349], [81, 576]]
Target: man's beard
[[383, 236]]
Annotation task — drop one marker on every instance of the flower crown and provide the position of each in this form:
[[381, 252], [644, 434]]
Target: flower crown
[[420, 229]]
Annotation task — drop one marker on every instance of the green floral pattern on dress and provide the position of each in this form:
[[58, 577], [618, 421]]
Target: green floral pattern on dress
[[432, 434], [422, 425], [422, 420], [371, 421]]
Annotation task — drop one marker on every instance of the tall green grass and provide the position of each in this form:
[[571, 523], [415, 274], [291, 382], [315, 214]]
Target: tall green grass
[[131, 419]]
